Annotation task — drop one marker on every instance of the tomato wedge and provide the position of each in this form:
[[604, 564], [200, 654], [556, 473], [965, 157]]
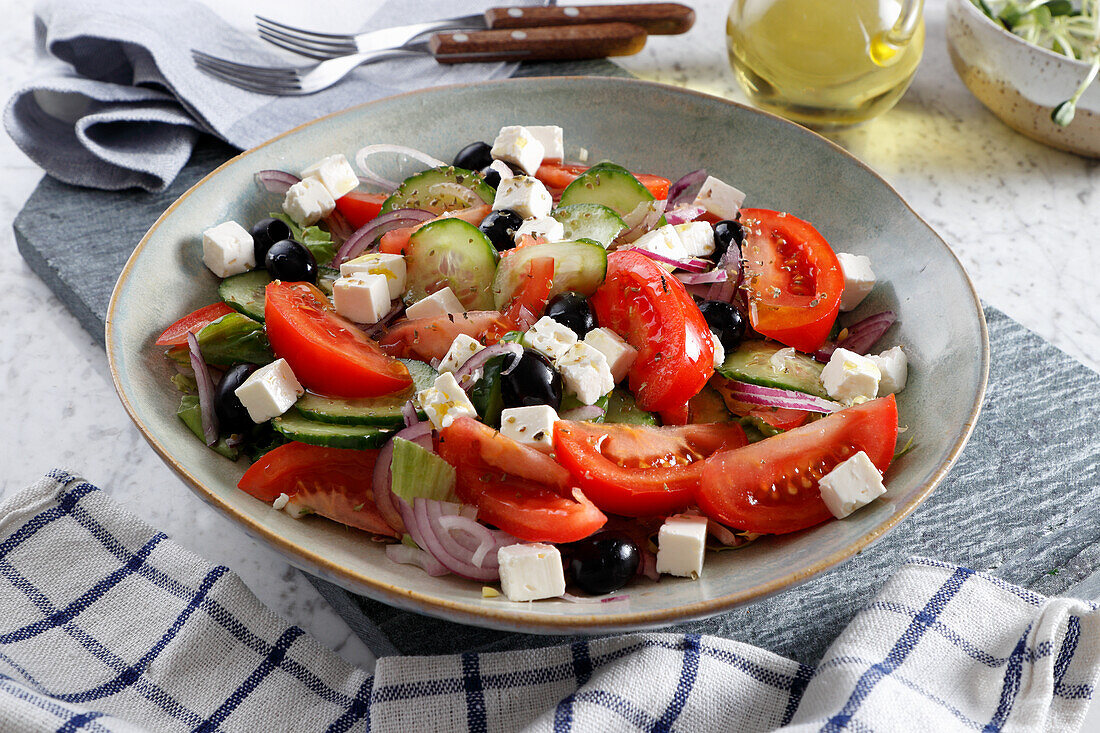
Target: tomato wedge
[[430, 338], [648, 307], [771, 486], [395, 241], [530, 300], [638, 471], [359, 207], [193, 322], [794, 279], [327, 353], [333, 482], [556, 176], [515, 487]]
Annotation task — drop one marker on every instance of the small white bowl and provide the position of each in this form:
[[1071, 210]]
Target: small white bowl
[[1021, 83]]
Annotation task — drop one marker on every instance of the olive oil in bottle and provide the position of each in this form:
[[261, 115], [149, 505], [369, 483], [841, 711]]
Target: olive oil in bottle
[[827, 64]]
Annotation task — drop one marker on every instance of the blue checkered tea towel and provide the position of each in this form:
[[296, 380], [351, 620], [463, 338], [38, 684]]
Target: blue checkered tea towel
[[107, 625]]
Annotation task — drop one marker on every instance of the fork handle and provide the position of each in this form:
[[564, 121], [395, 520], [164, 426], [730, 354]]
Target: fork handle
[[658, 19], [539, 44]]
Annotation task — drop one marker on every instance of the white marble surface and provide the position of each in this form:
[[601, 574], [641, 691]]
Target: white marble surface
[[1024, 219]]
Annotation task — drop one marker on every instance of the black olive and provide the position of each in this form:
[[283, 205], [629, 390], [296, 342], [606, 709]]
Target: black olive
[[231, 413], [500, 227], [533, 381], [603, 563], [492, 178], [727, 234], [267, 232], [572, 310], [291, 262], [474, 157], [726, 321]]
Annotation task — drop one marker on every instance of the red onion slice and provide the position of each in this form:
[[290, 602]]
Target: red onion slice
[[641, 219], [684, 214], [421, 434], [588, 412], [447, 524], [362, 237], [686, 188], [861, 336], [465, 372], [731, 263], [702, 278], [408, 412], [382, 487], [786, 398], [338, 228], [406, 555], [693, 265], [206, 391], [369, 176], [374, 330], [426, 534], [275, 181]]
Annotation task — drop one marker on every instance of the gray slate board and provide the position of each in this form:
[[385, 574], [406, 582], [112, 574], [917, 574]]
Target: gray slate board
[[1032, 464]]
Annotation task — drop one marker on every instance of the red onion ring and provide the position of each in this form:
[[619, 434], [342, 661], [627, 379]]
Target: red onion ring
[[370, 176], [382, 489], [449, 523], [588, 412], [424, 534], [338, 228], [693, 265], [731, 263], [276, 181], [862, 335], [702, 278], [786, 398], [206, 391], [362, 237], [477, 361], [684, 214], [374, 330], [408, 412], [406, 555], [653, 211], [686, 188]]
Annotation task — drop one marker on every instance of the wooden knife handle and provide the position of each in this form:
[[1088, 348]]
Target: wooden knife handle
[[658, 19], [539, 44]]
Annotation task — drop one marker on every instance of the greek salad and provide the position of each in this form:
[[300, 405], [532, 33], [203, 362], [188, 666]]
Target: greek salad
[[536, 374]]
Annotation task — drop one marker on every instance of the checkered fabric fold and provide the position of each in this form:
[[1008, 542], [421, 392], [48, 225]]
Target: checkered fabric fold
[[107, 625]]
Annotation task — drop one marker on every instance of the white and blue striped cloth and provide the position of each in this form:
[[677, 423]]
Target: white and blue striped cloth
[[107, 625]]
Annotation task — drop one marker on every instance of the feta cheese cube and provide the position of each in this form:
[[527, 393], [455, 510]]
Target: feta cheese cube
[[228, 249], [379, 263], [850, 377], [531, 572], [516, 144], [361, 297], [444, 401], [719, 198], [680, 545], [335, 174], [524, 195], [719, 350], [894, 367], [544, 226], [585, 373], [533, 426], [502, 169], [462, 348], [552, 139], [280, 502], [436, 305], [852, 484], [269, 391], [308, 201], [549, 338], [664, 241], [859, 279], [696, 238], [619, 354]]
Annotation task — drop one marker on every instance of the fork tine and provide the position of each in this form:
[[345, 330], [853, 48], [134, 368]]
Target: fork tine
[[301, 32], [302, 49], [245, 70], [335, 46], [247, 85]]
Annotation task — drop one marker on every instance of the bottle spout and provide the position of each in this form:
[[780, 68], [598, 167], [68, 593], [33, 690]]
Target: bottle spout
[[887, 46]]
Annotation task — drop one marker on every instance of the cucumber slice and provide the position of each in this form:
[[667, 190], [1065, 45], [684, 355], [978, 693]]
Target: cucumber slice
[[295, 426], [416, 191], [607, 184], [454, 253], [709, 407], [590, 221], [419, 473], [578, 266], [384, 411], [622, 408], [244, 293], [751, 363]]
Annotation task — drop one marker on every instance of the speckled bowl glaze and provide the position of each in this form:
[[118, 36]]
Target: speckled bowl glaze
[[648, 127], [1022, 83]]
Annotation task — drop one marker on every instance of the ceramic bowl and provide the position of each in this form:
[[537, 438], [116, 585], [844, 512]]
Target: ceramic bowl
[[1022, 83], [648, 127]]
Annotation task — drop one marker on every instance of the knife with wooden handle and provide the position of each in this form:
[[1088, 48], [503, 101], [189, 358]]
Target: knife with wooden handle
[[539, 44], [658, 19]]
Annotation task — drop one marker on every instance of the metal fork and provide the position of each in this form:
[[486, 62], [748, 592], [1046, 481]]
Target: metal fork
[[296, 80], [323, 46]]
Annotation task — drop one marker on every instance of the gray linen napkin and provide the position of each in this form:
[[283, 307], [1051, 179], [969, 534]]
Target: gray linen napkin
[[119, 103]]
